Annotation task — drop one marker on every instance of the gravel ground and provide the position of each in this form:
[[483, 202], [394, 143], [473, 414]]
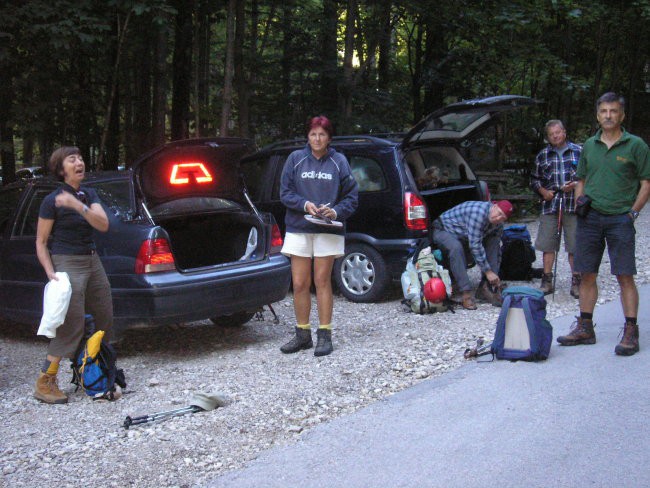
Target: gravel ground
[[272, 398]]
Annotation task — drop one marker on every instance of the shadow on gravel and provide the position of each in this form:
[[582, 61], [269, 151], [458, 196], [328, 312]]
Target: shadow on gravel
[[195, 338], [14, 331], [173, 341]]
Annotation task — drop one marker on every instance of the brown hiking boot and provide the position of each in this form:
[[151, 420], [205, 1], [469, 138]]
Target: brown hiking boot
[[489, 293], [581, 333], [547, 283], [48, 391], [468, 302], [629, 344], [575, 285]]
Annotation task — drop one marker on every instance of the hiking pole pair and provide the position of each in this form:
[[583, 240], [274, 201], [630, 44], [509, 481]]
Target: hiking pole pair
[[201, 402], [558, 234]]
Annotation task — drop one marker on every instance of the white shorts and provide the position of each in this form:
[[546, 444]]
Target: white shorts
[[313, 245]]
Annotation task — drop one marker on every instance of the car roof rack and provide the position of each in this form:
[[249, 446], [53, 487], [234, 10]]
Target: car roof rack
[[384, 139]]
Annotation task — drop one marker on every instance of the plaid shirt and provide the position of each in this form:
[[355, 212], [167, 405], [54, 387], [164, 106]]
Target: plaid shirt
[[470, 221], [552, 172]]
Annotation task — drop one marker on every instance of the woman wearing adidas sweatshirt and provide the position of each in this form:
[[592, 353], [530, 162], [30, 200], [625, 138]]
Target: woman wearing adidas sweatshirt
[[315, 181]]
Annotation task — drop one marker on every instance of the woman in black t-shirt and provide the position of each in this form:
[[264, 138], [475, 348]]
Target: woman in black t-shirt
[[67, 219]]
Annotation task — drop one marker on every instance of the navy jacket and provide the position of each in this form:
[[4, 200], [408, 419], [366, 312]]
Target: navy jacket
[[320, 181]]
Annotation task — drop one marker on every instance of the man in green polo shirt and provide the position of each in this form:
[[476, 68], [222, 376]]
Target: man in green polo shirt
[[614, 171]]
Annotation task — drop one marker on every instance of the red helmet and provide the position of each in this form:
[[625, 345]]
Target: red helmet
[[434, 290]]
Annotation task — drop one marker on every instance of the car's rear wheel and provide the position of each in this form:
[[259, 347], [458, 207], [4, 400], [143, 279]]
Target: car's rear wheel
[[236, 319], [361, 274]]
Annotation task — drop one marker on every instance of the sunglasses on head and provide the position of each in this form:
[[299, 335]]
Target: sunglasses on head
[[81, 196]]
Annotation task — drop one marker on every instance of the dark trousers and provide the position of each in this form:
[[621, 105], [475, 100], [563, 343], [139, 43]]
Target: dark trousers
[[456, 250], [91, 293]]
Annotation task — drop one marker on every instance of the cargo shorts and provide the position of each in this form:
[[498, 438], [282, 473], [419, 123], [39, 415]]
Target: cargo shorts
[[597, 230], [547, 237]]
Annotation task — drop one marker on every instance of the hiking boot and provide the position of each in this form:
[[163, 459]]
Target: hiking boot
[[323, 342], [489, 293], [48, 391], [302, 340], [468, 302], [629, 344], [547, 283], [575, 285], [581, 333]]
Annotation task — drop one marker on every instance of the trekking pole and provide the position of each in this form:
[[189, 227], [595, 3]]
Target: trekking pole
[[560, 194], [200, 402]]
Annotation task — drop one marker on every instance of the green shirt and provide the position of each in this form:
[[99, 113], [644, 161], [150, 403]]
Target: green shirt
[[612, 176]]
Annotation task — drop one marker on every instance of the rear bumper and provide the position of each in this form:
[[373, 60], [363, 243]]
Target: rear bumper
[[169, 298]]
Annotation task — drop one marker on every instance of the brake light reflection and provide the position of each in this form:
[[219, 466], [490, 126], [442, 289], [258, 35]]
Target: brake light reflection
[[185, 173]]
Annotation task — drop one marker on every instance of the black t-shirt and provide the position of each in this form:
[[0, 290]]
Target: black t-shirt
[[71, 232]]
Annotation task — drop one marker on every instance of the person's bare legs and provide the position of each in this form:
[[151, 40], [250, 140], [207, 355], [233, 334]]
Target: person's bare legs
[[301, 282], [588, 292], [323, 282]]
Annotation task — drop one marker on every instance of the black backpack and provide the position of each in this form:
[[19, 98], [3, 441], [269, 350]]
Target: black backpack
[[517, 254]]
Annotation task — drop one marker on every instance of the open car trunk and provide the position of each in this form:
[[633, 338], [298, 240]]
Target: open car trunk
[[443, 178], [440, 199], [204, 240]]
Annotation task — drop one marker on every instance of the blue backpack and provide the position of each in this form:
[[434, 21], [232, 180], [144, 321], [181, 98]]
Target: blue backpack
[[517, 254], [94, 367], [522, 332]]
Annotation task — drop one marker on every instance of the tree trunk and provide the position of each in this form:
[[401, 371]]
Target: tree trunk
[[160, 88], [285, 70], [241, 83], [109, 116], [226, 110], [182, 70], [329, 53], [346, 90], [385, 46], [202, 76], [434, 56]]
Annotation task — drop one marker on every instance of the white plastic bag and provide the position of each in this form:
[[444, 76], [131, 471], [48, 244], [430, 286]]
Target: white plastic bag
[[56, 299]]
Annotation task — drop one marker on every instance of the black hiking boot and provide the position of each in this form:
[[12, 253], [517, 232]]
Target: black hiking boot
[[302, 340], [582, 333], [629, 344], [324, 342]]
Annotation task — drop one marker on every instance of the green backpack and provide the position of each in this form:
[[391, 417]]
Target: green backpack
[[420, 269]]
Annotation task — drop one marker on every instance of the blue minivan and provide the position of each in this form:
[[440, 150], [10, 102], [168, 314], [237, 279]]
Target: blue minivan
[[396, 200]]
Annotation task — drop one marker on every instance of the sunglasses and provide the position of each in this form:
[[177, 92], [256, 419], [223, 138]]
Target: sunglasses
[[82, 197]]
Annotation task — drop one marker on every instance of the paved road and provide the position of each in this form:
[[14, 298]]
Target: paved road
[[580, 419]]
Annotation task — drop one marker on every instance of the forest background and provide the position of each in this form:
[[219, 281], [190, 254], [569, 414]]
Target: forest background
[[118, 77]]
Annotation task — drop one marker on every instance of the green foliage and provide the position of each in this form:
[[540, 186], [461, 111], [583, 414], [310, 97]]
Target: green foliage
[[58, 58]]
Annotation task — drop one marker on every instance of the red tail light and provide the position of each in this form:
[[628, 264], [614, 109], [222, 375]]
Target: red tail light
[[276, 239], [154, 255], [415, 212]]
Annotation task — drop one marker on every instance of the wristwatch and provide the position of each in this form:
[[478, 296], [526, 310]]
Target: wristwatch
[[634, 214]]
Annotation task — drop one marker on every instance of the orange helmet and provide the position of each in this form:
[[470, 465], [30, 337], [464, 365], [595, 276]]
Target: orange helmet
[[435, 291]]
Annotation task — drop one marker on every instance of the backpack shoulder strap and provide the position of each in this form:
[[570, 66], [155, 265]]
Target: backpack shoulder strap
[[500, 332]]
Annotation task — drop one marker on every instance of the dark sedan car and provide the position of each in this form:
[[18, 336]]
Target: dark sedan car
[[185, 243]]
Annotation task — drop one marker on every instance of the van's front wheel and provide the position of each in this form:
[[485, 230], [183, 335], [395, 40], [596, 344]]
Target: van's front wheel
[[361, 274]]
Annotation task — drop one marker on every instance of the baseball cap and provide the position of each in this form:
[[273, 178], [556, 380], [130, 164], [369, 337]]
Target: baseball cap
[[505, 206]]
